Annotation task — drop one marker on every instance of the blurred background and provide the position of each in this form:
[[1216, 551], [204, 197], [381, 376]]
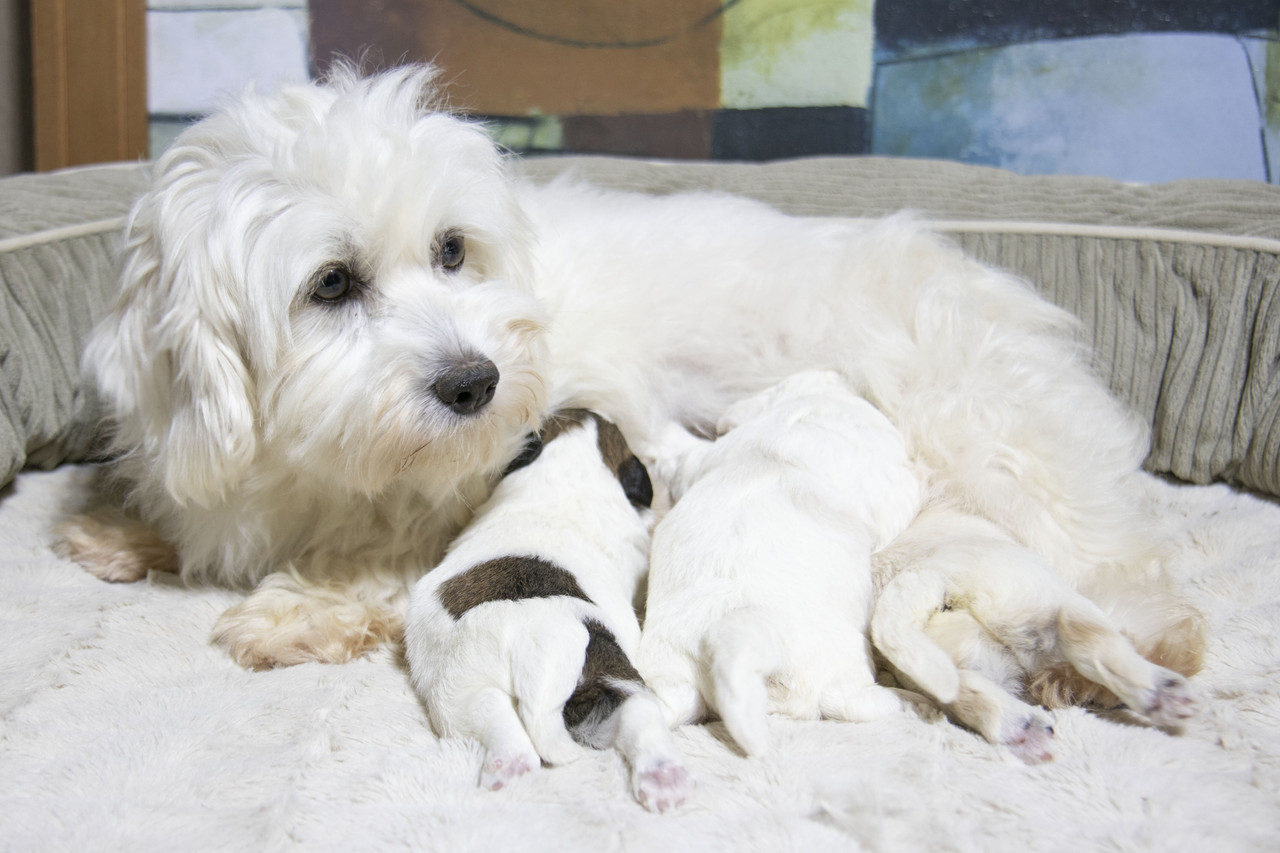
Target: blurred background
[[1134, 90]]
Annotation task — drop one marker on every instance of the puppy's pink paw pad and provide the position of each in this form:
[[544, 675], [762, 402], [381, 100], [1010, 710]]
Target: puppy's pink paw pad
[[663, 786], [1033, 742], [1172, 703], [499, 770]]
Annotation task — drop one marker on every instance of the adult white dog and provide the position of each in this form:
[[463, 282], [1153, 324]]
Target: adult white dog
[[339, 317]]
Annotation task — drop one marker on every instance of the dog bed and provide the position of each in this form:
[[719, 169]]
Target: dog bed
[[122, 728]]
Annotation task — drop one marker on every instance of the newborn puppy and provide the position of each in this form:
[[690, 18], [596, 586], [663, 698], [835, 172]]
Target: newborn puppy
[[522, 637], [969, 615], [760, 576]]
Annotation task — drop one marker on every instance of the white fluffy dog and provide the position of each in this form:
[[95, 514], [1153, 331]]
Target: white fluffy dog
[[340, 315], [760, 576], [522, 638]]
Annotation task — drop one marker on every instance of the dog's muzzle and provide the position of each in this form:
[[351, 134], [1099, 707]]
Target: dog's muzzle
[[468, 385]]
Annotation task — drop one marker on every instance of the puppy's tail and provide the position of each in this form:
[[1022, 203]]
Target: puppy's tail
[[897, 629], [743, 649], [607, 680]]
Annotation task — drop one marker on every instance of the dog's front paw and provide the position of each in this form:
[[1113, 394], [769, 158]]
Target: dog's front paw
[[114, 548], [1171, 703], [498, 770], [277, 627], [662, 784], [1031, 739]]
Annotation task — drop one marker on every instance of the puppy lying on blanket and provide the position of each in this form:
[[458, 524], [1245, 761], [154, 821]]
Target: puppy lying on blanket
[[762, 568], [522, 637], [970, 620]]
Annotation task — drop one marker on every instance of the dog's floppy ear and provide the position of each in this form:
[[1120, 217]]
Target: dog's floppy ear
[[167, 356]]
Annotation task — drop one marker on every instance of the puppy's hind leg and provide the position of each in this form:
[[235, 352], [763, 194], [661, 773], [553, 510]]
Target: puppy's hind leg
[[612, 707], [743, 647], [659, 779], [994, 713], [983, 702], [1100, 653], [509, 753], [672, 675], [898, 630], [545, 674]]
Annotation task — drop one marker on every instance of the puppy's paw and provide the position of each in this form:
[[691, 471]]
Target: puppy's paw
[[1031, 739], [498, 770], [661, 784], [1171, 703]]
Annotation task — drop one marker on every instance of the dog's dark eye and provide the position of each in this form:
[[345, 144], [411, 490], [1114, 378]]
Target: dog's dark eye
[[453, 251], [333, 284]]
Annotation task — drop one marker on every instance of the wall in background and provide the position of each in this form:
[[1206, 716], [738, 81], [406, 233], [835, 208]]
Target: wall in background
[[1142, 90], [200, 51]]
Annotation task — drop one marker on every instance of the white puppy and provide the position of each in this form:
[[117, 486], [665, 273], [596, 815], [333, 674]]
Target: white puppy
[[340, 313], [523, 636], [970, 613], [760, 576]]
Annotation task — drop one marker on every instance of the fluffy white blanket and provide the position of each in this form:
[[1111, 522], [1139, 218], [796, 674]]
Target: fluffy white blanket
[[121, 728]]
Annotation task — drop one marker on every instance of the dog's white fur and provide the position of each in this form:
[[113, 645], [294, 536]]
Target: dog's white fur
[[278, 443], [970, 613], [502, 671], [760, 576]]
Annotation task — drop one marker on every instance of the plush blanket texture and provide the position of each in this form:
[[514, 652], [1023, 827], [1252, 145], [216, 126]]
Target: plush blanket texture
[[121, 728]]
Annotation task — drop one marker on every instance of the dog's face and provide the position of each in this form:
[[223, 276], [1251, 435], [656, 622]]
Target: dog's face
[[330, 282]]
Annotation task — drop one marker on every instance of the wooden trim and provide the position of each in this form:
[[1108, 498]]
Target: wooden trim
[[89, 81]]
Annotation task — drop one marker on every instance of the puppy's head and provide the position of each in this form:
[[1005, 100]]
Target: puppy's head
[[609, 442], [814, 385], [331, 282]]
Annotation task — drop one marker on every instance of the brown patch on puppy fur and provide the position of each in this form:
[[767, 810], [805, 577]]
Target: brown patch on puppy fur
[[507, 579], [614, 450], [563, 420], [607, 679]]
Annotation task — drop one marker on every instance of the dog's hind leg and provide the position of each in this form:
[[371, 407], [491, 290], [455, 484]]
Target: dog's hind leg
[[897, 628], [544, 675], [672, 675], [984, 701], [1099, 652], [509, 752], [998, 716], [742, 648], [659, 779]]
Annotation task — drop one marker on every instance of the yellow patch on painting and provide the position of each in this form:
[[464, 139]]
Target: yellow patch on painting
[[796, 53]]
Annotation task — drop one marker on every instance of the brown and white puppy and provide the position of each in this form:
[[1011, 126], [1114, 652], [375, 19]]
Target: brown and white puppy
[[522, 637]]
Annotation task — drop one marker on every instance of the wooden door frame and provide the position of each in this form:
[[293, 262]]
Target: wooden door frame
[[89, 81]]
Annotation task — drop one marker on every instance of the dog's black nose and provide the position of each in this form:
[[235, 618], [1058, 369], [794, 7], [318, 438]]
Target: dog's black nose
[[468, 386]]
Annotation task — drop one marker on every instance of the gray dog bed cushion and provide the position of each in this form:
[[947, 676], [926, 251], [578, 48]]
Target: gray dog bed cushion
[[1175, 284], [59, 237]]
